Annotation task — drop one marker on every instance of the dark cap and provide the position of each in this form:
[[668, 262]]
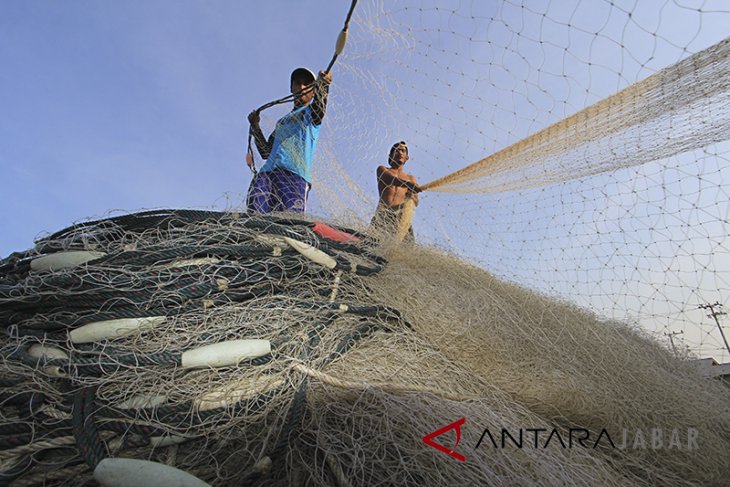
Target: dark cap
[[302, 74]]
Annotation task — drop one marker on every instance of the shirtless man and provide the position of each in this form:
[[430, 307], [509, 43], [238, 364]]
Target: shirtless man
[[395, 186]]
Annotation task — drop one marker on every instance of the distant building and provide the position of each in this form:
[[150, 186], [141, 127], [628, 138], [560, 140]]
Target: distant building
[[709, 367]]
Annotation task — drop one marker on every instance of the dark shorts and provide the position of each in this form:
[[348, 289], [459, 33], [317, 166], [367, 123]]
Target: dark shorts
[[277, 190]]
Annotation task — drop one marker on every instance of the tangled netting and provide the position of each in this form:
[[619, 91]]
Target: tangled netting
[[355, 359], [579, 147], [632, 127]]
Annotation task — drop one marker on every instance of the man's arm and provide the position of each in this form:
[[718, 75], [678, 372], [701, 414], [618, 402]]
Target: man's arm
[[321, 91], [414, 194], [264, 146], [389, 180]]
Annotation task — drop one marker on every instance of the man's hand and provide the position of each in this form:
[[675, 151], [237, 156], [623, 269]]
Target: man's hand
[[254, 118], [324, 78], [413, 187]]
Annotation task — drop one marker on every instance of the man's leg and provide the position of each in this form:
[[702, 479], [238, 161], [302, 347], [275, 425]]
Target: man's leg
[[291, 191], [259, 194]]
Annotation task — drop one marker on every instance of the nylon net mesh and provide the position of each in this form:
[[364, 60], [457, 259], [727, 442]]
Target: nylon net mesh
[[575, 221], [584, 144]]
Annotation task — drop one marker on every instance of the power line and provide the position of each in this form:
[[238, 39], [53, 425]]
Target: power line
[[714, 314]]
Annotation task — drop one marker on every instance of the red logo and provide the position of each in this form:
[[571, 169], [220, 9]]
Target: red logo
[[456, 425]]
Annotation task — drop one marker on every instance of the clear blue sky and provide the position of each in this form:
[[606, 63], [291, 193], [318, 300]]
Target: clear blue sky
[[138, 103]]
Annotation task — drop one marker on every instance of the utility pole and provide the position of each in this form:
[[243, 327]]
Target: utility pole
[[671, 339], [714, 314]]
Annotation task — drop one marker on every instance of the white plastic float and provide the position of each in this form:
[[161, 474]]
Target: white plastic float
[[41, 351], [108, 329], [311, 253], [341, 42], [130, 472], [63, 260], [225, 353]]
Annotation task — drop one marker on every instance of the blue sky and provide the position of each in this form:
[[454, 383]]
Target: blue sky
[[138, 104]]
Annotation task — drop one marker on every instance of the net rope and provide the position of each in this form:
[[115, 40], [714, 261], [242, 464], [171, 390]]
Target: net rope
[[679, 109]]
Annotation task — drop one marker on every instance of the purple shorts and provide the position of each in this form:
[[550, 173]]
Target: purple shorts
[[277, 190]]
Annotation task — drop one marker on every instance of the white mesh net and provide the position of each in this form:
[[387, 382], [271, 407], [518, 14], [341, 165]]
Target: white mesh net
[[585, 142]]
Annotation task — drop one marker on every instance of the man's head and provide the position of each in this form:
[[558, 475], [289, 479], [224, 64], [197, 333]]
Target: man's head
[[398, 154], [300, 79]]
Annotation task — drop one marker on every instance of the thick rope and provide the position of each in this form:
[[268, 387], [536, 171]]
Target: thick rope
[[89, 444]]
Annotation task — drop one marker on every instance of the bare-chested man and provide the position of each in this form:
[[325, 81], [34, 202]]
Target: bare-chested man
[[395, 186]]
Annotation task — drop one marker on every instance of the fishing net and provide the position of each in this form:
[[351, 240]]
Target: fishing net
[[363, 357], [183, 279], [280, 350], [577, 148]]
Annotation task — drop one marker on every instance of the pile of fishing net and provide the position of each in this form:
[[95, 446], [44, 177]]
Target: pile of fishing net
[[233, 349]]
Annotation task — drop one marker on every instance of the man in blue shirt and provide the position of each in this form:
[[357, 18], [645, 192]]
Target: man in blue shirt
[[283, 182]]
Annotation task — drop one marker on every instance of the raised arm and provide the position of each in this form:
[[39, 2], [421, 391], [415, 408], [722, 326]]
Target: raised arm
[[262, 144], [321, 91]]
